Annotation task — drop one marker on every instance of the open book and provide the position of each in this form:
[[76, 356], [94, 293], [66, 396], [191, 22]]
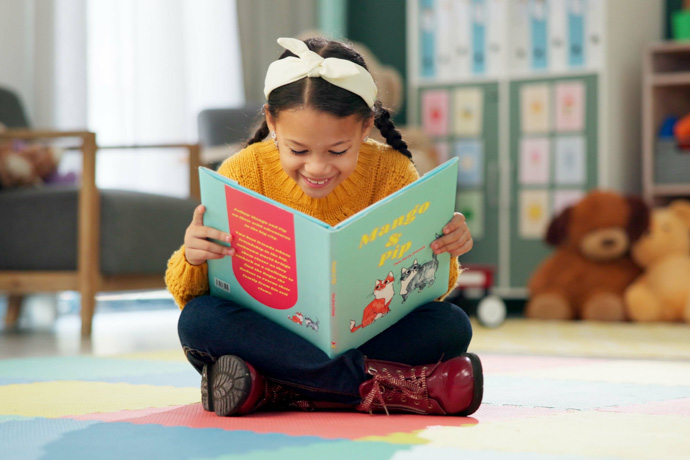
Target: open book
[[336, 286]]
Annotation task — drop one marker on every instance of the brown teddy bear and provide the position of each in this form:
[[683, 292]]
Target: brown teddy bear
[[662, 292], [588, 272]]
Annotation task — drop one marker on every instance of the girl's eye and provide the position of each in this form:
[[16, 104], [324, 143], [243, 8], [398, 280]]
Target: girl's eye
[[298, 152], [338, 153]]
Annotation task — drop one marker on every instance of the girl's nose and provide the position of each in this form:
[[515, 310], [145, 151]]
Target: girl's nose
[[317, 167]]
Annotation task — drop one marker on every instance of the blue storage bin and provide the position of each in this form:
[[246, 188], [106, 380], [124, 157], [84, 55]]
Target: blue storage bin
[[671, 164]]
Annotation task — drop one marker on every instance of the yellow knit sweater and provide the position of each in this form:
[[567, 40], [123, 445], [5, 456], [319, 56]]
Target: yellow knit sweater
[[380, 171]]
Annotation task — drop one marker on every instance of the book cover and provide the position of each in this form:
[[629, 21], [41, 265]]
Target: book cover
[[336, 286]]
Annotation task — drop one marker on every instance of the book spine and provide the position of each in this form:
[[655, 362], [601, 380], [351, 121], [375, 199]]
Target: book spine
[[333, 300]]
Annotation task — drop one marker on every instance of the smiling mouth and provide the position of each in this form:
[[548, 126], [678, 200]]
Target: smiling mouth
[[317, 183]]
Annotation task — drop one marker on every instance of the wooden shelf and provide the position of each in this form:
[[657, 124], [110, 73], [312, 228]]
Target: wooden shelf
[[671, 79], [671, 189]]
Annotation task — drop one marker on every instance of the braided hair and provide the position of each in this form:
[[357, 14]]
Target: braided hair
[[323, 96]]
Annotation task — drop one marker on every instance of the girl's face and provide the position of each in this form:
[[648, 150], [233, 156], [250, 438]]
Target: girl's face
[[317, 149]]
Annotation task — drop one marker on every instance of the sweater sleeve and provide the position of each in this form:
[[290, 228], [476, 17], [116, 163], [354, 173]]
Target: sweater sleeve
[[184, 280]]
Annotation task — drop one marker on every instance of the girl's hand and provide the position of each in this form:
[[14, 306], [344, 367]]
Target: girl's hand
[[198, 247], [456, 238]]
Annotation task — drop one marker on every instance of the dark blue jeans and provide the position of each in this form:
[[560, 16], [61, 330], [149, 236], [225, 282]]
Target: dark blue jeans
[[210, 327]]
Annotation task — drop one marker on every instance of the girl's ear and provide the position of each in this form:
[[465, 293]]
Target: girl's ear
[[366, 127], [269, 119]]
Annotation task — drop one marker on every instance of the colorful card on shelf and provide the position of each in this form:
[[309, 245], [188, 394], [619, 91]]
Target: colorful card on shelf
[[479, 37], [335, 286], [576, 33], [535, 112], [570, 160], [564, 198], [534, 161], [534, 213], [538, 33], [570, 106], [471, 204], [427, 45], [468, 104], [471, 162], [435, 111]]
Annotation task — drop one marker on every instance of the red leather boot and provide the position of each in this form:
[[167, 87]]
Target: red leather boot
[[453, 387], [231, 386]]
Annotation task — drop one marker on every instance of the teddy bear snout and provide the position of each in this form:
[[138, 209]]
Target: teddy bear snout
[[605, 244]]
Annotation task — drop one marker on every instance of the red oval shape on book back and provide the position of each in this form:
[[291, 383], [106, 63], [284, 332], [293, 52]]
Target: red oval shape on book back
[[264, 239]]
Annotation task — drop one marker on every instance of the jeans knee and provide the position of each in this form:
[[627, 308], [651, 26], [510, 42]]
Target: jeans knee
[[190, 322], [457, 327]]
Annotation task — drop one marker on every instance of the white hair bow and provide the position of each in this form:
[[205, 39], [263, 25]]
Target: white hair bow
[[340, 72]]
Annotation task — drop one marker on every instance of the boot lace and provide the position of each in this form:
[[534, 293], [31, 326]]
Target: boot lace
[[413, 387]]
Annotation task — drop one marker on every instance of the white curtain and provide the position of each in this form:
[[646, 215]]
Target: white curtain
[[152, 66]]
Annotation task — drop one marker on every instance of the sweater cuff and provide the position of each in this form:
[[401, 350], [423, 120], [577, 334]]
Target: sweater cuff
[[453, 277], [184, 280]]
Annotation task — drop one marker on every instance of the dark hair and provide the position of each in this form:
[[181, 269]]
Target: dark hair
[[321, 95]]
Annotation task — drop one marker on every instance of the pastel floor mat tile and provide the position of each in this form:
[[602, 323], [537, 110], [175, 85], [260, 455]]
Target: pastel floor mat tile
[[124, 440], [583, 434], [582, 338], [336, 450], [570, 394], [332, 425], [671, 407], [26, 439], [434, 452], [85, 368], [668, 373], [58, 399]]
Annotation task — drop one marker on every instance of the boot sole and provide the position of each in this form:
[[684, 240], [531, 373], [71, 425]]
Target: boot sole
[[225, 385], [478, 392]]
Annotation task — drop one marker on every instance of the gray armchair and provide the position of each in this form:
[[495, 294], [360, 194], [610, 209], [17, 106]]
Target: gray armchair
[[82, 238], [222, 131]]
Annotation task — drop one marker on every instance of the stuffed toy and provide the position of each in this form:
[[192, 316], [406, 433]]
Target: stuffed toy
[[662, 292], [586, 276], [23, 164]]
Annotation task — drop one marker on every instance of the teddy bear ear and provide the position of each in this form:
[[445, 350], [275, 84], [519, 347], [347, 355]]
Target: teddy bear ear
[[638, 222], [558, 228], [682, 209]]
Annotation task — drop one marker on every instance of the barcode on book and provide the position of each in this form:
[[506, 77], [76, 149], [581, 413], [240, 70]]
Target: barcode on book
[[220, 284]]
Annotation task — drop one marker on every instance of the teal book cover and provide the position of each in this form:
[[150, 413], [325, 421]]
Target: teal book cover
[[336, 286]]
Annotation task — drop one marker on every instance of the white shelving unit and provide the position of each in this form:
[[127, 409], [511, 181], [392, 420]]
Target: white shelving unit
[[666, 168], [615, 31]]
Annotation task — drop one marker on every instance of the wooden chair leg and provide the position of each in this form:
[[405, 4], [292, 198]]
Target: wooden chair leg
[[14, 307], [88, 307]]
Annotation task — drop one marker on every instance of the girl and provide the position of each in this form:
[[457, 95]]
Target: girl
[[321, 107]]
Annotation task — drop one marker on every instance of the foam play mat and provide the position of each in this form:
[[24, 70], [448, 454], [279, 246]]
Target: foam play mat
[[545, 397]]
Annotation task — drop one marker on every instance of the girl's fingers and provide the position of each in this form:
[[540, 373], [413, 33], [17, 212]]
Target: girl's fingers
[[207, 233], [210, 247], [198, 217], [462, 249], [455, 241]]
